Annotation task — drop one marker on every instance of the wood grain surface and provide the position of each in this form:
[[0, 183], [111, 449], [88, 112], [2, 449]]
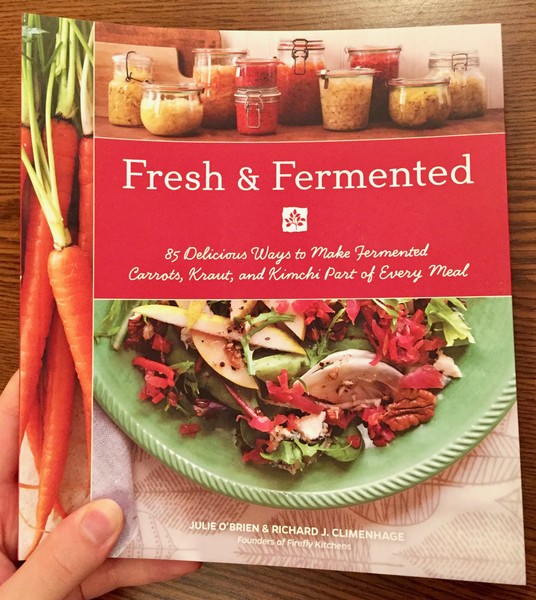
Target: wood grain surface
[[219, 581]]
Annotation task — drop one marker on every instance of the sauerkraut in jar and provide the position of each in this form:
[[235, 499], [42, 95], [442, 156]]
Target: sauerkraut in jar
[[419, 103], [345, 97], [467, 83], [125, 89], [215, 70], [297, 80], [171, 109]]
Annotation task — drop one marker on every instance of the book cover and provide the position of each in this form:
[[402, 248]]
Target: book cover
[[275, 320]]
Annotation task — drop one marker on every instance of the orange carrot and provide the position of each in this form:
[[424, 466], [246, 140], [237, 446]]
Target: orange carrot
[[58, 410], [34, 429], [71, 281], [26, 143], [65, 147], [36, 304], [36, 296], [51, 175], [85, 206]]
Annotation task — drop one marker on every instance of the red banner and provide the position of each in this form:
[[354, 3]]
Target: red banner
[[412, 217]]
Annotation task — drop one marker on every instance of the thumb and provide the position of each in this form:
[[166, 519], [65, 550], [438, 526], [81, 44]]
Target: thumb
[[68, 555]]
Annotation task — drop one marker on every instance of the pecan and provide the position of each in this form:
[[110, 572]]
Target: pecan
[[410, 408], [233, 351]]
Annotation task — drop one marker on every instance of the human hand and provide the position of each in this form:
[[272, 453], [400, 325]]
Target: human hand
[[70, 563]]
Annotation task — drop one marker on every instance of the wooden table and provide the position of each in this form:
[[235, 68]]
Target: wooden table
[[219, 581]]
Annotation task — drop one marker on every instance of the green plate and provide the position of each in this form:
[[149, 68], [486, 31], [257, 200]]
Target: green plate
[[469, 409]]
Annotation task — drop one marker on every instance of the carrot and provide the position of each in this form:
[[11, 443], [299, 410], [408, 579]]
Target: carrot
[[65, 149], [58, 410], [85, 204], [51, 176], [70, 277], [36, 300], [36, 304], [34, 429], [34, 433], [85, 154]]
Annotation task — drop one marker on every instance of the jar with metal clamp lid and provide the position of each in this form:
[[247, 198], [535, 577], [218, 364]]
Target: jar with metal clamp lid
[[467, 83], [215, 70], [257, 110], [297, 80], [125, 89], [345, 96]]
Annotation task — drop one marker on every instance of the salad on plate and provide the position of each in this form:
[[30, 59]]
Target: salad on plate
[[297, 380]]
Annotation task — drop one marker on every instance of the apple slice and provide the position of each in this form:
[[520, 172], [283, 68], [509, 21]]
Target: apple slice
[[195, 309], [276, 339], [270, 337], [183, 303], [212, 349], [176, 315], [297, 326], [241, 308]]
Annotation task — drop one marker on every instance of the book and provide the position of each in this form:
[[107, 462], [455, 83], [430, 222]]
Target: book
[[295, 297]]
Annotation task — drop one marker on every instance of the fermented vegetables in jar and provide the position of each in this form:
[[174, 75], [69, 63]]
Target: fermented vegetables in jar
[[125, 89], [467, 82], [345, 97], [215, 70], [419, 103], [256, 72], [297, 80], [257, 110], [385, 60], [171, 109]]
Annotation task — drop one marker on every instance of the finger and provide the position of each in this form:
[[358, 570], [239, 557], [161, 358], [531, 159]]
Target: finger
[[68, 555], [7, 568], [127, 572], [9, 430]]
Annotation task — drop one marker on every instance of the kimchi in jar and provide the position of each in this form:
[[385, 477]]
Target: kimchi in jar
[[297, 80]]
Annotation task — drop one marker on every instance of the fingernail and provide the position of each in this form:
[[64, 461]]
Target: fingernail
[[101, 522]]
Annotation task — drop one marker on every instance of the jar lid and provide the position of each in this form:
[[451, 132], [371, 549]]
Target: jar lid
[[133, 58], [372, 49], [354, 72], [301, 43], [220, 51], [423, 82], [256, 61], [172, 88], [252, 93], [454, 58]]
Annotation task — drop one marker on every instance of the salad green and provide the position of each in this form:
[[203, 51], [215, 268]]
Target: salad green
[[297, 380]]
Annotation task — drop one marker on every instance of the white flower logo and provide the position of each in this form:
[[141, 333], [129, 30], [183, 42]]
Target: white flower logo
[[294, 219]]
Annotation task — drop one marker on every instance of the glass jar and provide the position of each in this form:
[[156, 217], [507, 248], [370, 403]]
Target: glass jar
[[215, 70], [297, 80], [419, 103], [171, 109], [467, 82], [385, 60], [256, 72], [257, 110], [125, 89], [345, 97]]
